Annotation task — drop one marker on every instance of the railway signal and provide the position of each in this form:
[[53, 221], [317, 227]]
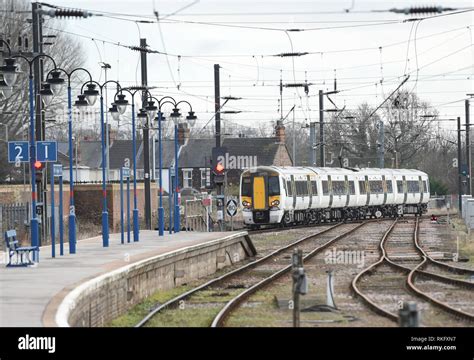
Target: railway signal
[[39, 166]]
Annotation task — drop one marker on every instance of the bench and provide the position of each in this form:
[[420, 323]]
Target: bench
[[21, 254]]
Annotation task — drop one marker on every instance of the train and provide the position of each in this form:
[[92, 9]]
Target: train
[[287, 196]]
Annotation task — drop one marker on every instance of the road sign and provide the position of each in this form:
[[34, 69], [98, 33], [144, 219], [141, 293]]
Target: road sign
[[47, 151], [231, 207], [126, 172], [18, 151], [57, 170]]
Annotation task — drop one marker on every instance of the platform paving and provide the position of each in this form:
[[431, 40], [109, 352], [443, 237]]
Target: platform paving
[[25, 292]]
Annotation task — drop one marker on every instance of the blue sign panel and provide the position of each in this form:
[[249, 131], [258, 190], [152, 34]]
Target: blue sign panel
[[47, 151], [126, 172], [18, 151], [57, 170]]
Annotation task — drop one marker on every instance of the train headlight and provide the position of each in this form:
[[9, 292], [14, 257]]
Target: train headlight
[[245, 204], [275, 203]]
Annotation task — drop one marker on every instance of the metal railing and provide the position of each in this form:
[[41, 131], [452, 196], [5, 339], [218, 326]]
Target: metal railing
[[196, 216], [14, 216]]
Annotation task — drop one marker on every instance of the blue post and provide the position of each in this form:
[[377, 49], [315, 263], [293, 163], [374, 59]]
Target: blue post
[[161, 211], [170, 197], [72, 209], [136, 229], [53, 230], [61, 219], [34, 218], [105, 214], [121, 207], [177, 218], [128, 209]]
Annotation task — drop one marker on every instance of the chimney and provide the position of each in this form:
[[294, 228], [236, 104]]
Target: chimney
[[183, 133], [280, 132]]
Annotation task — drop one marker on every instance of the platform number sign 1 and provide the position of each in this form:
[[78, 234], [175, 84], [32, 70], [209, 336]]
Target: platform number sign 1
[[18, 152], [47, 151]]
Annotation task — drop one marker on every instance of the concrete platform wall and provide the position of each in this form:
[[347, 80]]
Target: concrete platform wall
[[102, 299]]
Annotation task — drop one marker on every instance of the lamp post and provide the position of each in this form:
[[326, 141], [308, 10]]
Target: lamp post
[[152, 110], [81, 103], [53, 79], [191, 118], [9, 71]]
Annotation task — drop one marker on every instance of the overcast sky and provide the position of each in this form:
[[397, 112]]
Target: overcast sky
[[359, 48]]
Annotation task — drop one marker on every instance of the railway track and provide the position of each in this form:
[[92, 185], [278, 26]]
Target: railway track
[[275, 264], [414, 271]]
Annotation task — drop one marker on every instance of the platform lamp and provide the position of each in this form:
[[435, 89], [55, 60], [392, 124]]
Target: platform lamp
[[191, 119]]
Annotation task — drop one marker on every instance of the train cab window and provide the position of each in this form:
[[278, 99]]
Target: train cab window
[[400, 186], [246, 187], [325, 188], [273, 186], [352, 189], [389, 186], [314, 188], [376, 187], [413, 186], [362, 189], [425, 186], [339, 188], [289, 188]]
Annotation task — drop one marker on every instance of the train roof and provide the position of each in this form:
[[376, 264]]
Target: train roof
[[336, 170]]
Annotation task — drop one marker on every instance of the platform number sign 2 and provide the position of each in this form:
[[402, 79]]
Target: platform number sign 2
[[18, 151]]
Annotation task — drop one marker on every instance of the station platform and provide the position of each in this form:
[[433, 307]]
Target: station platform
[[30, 296]]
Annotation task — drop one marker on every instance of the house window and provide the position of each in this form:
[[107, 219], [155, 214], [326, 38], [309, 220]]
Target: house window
[[187, 178], [205, 175]]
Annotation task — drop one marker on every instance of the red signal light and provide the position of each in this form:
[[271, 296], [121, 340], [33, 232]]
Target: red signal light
[[38, 165], [219, 168]]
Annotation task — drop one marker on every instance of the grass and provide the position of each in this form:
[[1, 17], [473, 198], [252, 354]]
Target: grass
[[139, 311]]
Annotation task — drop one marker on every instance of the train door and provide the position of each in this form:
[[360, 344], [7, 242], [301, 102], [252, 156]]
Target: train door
[[346, 181], [422, 192], [384, 187], [259, 193], [294, 191], [310, 192], [405, 192], [367, 189], [330, 190]]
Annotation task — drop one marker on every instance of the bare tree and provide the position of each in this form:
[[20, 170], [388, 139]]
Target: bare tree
[[14, 113]]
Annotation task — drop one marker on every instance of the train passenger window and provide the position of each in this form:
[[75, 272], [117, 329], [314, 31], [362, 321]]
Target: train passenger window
[[289, 189], [325, 188], [273, 186], [314, 188], [301, 188], [425, 186], [362, 189], [376, 187], [413, 186], [400, 186], [352, 189], [246, 187], [339, 188], [389, 186]]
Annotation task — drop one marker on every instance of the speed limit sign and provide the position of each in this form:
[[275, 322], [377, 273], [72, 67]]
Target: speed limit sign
[[231, 207]]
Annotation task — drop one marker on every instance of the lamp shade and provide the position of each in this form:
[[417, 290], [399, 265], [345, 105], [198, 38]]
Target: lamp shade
[[81, 102], [121, 103], [9, 71], [46, 94], [142, 116], [175, 115], [91, 94], [191, 118], [151, 109], [55, 81], [114, 112]]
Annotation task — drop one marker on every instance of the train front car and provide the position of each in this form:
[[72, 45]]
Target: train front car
[[261, 196]]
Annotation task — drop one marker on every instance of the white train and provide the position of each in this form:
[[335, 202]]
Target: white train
[[298, 195]]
